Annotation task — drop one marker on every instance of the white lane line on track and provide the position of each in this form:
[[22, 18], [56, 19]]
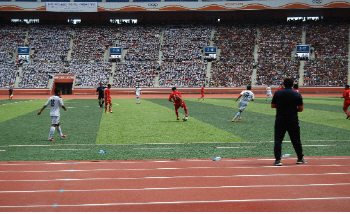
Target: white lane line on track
[[178, 188], [180, 202], [168, 168], [175, 177]]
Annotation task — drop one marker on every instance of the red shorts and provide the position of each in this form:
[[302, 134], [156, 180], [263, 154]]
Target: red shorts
[[108, 101], [178, 105], [346, 104]]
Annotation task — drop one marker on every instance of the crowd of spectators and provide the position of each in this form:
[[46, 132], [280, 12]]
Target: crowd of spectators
[[90, 74], [273, 71], [185, 42], [37, 74], [135, 73], [234, 73], [278, 40], [90, 42], [50, 42], [141, 42], [8, 73], [327, 72], [236, 63], [330, 65], [326, 44], [181, 48], [183, 74], [11, 37]]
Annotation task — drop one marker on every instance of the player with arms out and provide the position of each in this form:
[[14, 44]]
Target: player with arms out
[[101, 96], [108, 99], [176, 98], [246, 96], [346, 96], [268, 92], [138, 93], [55, 103]]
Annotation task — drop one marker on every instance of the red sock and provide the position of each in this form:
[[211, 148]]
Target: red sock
[[186, 111], [177, 113], [106, 107], [347, 113], [110, 107]]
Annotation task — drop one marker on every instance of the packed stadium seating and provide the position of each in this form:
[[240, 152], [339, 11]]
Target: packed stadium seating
[[172, 54]]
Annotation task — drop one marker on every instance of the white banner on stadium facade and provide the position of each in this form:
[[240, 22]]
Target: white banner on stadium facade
[[172, 6], [71, 6]]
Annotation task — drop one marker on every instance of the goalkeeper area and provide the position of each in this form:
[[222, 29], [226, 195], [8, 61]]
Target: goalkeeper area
[[150, 130]]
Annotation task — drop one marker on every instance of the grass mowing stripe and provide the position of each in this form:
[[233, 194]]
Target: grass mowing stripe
[[320, 117], [260, 119], [149, 122], [80, 124], [13, 109], [220, 117]]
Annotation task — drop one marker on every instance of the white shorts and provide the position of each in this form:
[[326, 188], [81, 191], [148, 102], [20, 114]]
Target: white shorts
[[268, 94], [55, 119], [242, 106]]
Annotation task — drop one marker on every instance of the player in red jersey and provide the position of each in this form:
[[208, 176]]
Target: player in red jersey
[[176, 98], [108, 99], [346, 96], [202, 93]]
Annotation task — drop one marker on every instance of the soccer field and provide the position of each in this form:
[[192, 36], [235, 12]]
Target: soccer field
[[150, 130]]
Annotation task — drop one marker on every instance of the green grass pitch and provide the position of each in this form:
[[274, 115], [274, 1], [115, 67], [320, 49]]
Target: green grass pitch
[[150, 130]]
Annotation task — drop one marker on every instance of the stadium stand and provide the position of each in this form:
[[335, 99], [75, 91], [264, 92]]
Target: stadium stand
[[135, 73], [92, 40], [49, 42], [171, 54], [141, 42], [8, 72]]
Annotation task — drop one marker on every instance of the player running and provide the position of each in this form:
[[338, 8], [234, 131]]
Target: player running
[[176, 98], [55, 103], [138, 93], [247, 96], [101, 96], [346, 96], [202, 93], [108, 99], [268, 92]]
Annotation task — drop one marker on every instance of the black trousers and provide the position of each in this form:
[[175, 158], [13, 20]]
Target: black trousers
[[291, 125]]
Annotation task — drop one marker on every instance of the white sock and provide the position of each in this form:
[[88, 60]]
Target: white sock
[[237, 115], [59, 130], [52, 131], [138, 100]]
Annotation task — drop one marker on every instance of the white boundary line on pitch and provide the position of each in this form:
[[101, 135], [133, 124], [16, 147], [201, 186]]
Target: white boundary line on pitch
[[168, 168], [170, 161], [172, 143], [177, 188], [179, 202], [175, 177]]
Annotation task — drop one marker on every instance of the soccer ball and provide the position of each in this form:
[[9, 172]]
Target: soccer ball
[[185, 118]]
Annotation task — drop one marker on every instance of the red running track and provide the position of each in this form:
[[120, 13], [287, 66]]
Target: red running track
[[201, 185]]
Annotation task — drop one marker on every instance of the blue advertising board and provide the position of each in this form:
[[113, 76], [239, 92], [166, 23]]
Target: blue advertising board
[[210, 50], [23, 50], [303, 48], [115, 50]]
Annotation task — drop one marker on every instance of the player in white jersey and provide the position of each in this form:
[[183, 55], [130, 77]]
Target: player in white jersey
[[138, 93], [55, 103], [268, 92], [246, 96]]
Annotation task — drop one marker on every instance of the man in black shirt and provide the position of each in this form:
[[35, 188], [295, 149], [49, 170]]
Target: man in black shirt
[[101, 95], [288, 103]]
